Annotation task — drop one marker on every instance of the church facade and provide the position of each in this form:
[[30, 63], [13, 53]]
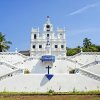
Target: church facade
[[48, 42]]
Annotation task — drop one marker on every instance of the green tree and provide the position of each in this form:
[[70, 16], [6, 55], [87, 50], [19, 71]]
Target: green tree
[[73, 51], [98, 47], [4, 44], [87, 47], [93, 48], [87, 43]]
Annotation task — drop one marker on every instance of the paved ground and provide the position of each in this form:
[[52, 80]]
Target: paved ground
[[51, 97]]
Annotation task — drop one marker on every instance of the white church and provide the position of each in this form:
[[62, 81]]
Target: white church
[[48, 66]]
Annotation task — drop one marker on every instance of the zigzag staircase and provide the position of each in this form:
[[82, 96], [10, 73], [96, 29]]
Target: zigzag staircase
[[27, 59], [15, 71], [84, 53], [90, 64], [88, 74]]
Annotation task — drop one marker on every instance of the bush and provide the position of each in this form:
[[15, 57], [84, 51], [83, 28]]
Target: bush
[[51, 91], [72, 71], [26, 71], [71, 52]]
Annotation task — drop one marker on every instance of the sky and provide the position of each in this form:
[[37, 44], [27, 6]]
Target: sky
[[81, 19]]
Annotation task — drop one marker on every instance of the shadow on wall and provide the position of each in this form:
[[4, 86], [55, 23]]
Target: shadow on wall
[[44, 81], [39, 68]]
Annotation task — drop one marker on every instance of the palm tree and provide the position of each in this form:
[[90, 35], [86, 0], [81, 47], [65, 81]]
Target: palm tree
[[4, 45], [87, 42]]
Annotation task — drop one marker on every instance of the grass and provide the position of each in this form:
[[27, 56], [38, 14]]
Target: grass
[[50, 95], [96, 92]]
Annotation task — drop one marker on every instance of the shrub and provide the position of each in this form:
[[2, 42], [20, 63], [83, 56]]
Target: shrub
[[72, 71], [51, 91], [26, 71]]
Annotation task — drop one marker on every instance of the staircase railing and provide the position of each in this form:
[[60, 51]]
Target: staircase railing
[[89, 74], [12, 53], [15, 72], [27, 59], [70, 57], [90, 64], [84, 53], [9, 65], [74, 62]]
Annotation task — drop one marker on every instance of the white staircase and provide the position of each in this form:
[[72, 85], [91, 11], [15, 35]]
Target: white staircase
[[11, 57], [88, 74], [15, 72], [26, 59], [90, 64], [85, 57], [8, 70], [74, 61]]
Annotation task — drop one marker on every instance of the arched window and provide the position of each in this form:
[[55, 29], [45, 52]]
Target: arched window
[[33, 46], [62, 46], [56, 46], [34, 36], [40, 46]]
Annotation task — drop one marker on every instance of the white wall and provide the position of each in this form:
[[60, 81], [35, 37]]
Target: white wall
[[39, 83]]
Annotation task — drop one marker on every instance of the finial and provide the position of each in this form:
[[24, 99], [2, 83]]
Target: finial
[[48, 20], [48, 17]]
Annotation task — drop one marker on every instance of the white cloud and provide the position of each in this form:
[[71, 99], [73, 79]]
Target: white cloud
[[84, 8]]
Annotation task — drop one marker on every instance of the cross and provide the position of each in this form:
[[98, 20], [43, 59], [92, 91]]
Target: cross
[[48, 68]]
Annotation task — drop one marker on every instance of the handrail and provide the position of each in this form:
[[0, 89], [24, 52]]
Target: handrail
[[14, 53], [4, 53], [22, 55], [9, 74], [27, 59], [90, 64], [74, 61], [91, 53], [24, 60], [8, 65], [89, 74], [70, 57], [84, 53]]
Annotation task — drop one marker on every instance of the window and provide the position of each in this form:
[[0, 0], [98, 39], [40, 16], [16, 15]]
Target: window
[[61, 35], [47, 35], [56, 46], [40, 46], [48, 26], [33, 46], [34, 36], [48, 29], [62, 46]]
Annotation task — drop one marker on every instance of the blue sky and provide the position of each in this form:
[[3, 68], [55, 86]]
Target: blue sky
[[81, 18]]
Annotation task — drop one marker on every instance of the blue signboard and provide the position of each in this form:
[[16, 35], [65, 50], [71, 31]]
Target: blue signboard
[[48, 58]]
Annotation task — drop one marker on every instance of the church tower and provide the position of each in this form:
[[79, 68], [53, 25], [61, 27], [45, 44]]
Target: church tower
[[48, 26], [48, 42]]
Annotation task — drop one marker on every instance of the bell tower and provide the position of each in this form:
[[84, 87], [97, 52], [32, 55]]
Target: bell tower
[[48, 27], [48, 42]]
